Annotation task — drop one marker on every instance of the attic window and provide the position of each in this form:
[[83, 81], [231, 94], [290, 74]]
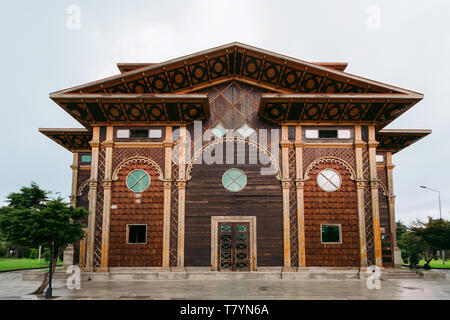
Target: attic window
[[139, 133], [328, 134]]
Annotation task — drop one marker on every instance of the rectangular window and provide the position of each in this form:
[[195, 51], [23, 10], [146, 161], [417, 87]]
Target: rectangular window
[[139, 133], [344, 134], [86, 158], [123, 133], [137, 233], [155, 133], [311, 134], [328, 134], [380, 158], [331, 233]]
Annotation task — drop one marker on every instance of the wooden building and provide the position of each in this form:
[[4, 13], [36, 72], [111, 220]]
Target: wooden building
[[235, 158]]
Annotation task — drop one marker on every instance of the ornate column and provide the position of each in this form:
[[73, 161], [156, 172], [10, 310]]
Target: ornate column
[[168, 144], [181, 195], [374, 195], [390, 185], [74, 167], [359, 144], [285, 183], [300, 196], [108, 144], [95, 144], [69, 251]]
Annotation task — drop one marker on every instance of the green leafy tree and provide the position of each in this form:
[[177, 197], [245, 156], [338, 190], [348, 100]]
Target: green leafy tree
[[435, 235], [31, 220], [411, 245]]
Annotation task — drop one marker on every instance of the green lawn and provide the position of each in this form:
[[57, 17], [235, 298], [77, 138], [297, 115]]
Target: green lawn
[[24, 263], [433, 263]]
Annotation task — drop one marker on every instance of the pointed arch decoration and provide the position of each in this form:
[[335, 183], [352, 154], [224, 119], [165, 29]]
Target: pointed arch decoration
[[383, 188], [273, 161], [137, 159], [81, 188], [339, 161]]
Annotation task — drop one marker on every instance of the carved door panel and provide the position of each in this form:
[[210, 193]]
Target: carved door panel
[[234, 243]]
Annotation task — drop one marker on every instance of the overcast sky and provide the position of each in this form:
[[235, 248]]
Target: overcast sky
[[403, 43]]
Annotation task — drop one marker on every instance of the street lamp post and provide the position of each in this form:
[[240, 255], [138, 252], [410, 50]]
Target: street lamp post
[[440, 212], [440, 217]]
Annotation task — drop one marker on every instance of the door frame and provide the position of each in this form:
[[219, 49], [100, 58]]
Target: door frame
[[251, 220]]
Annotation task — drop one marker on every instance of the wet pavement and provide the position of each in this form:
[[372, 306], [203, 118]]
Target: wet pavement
[[12, 287]]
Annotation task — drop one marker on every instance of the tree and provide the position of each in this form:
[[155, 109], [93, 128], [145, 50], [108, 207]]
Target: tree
[[412, 246], [32, 220], [435, 235]]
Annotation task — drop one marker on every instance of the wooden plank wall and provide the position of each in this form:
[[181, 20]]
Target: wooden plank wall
[[206, 197]]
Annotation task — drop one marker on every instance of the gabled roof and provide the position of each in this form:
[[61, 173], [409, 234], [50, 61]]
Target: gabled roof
[[235, 61], [162, 93]]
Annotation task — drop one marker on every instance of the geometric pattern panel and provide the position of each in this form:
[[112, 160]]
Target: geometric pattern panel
[[346, 154], [293, 223], [173, 257], [370, 239], [99, 210]]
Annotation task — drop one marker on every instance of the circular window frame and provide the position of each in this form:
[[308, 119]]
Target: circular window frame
[[149, 182], [329, 169], [235, 169]]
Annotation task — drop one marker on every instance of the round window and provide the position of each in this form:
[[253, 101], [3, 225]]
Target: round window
[[138, 180], [329, 180], [234, 180]]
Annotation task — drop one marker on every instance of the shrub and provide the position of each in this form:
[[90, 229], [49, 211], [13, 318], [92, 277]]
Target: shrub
[[34, 253]]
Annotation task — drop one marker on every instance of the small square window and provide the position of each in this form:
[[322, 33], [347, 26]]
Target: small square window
[[137, 233], [380, 158], [331, 233], [86, 158]]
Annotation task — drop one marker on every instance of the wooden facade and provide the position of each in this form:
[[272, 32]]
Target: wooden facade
[[186, 130]]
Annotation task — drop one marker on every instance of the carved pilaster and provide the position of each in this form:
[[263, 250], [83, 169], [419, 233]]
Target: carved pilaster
[[374, 196], [285, 144], [360, 183], [300, 184], [107, 184], [181, 196], [168, 144], [95, 144]]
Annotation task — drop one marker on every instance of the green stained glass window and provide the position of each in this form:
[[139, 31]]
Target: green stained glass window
[[86, 158], [241, 237], [234, 180], [138, 181], [225, 228], [241, 228]]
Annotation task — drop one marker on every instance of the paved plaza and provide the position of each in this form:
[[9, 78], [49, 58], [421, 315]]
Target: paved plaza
[[13, 287]]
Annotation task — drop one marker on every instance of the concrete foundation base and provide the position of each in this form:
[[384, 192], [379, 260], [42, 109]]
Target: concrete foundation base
[[312, 273]]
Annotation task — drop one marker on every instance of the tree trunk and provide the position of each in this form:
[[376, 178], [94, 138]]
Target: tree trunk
[[46, 276], [7, 251], [16, 252]]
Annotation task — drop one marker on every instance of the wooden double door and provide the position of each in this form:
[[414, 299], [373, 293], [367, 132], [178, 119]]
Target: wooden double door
[[234, 246]]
